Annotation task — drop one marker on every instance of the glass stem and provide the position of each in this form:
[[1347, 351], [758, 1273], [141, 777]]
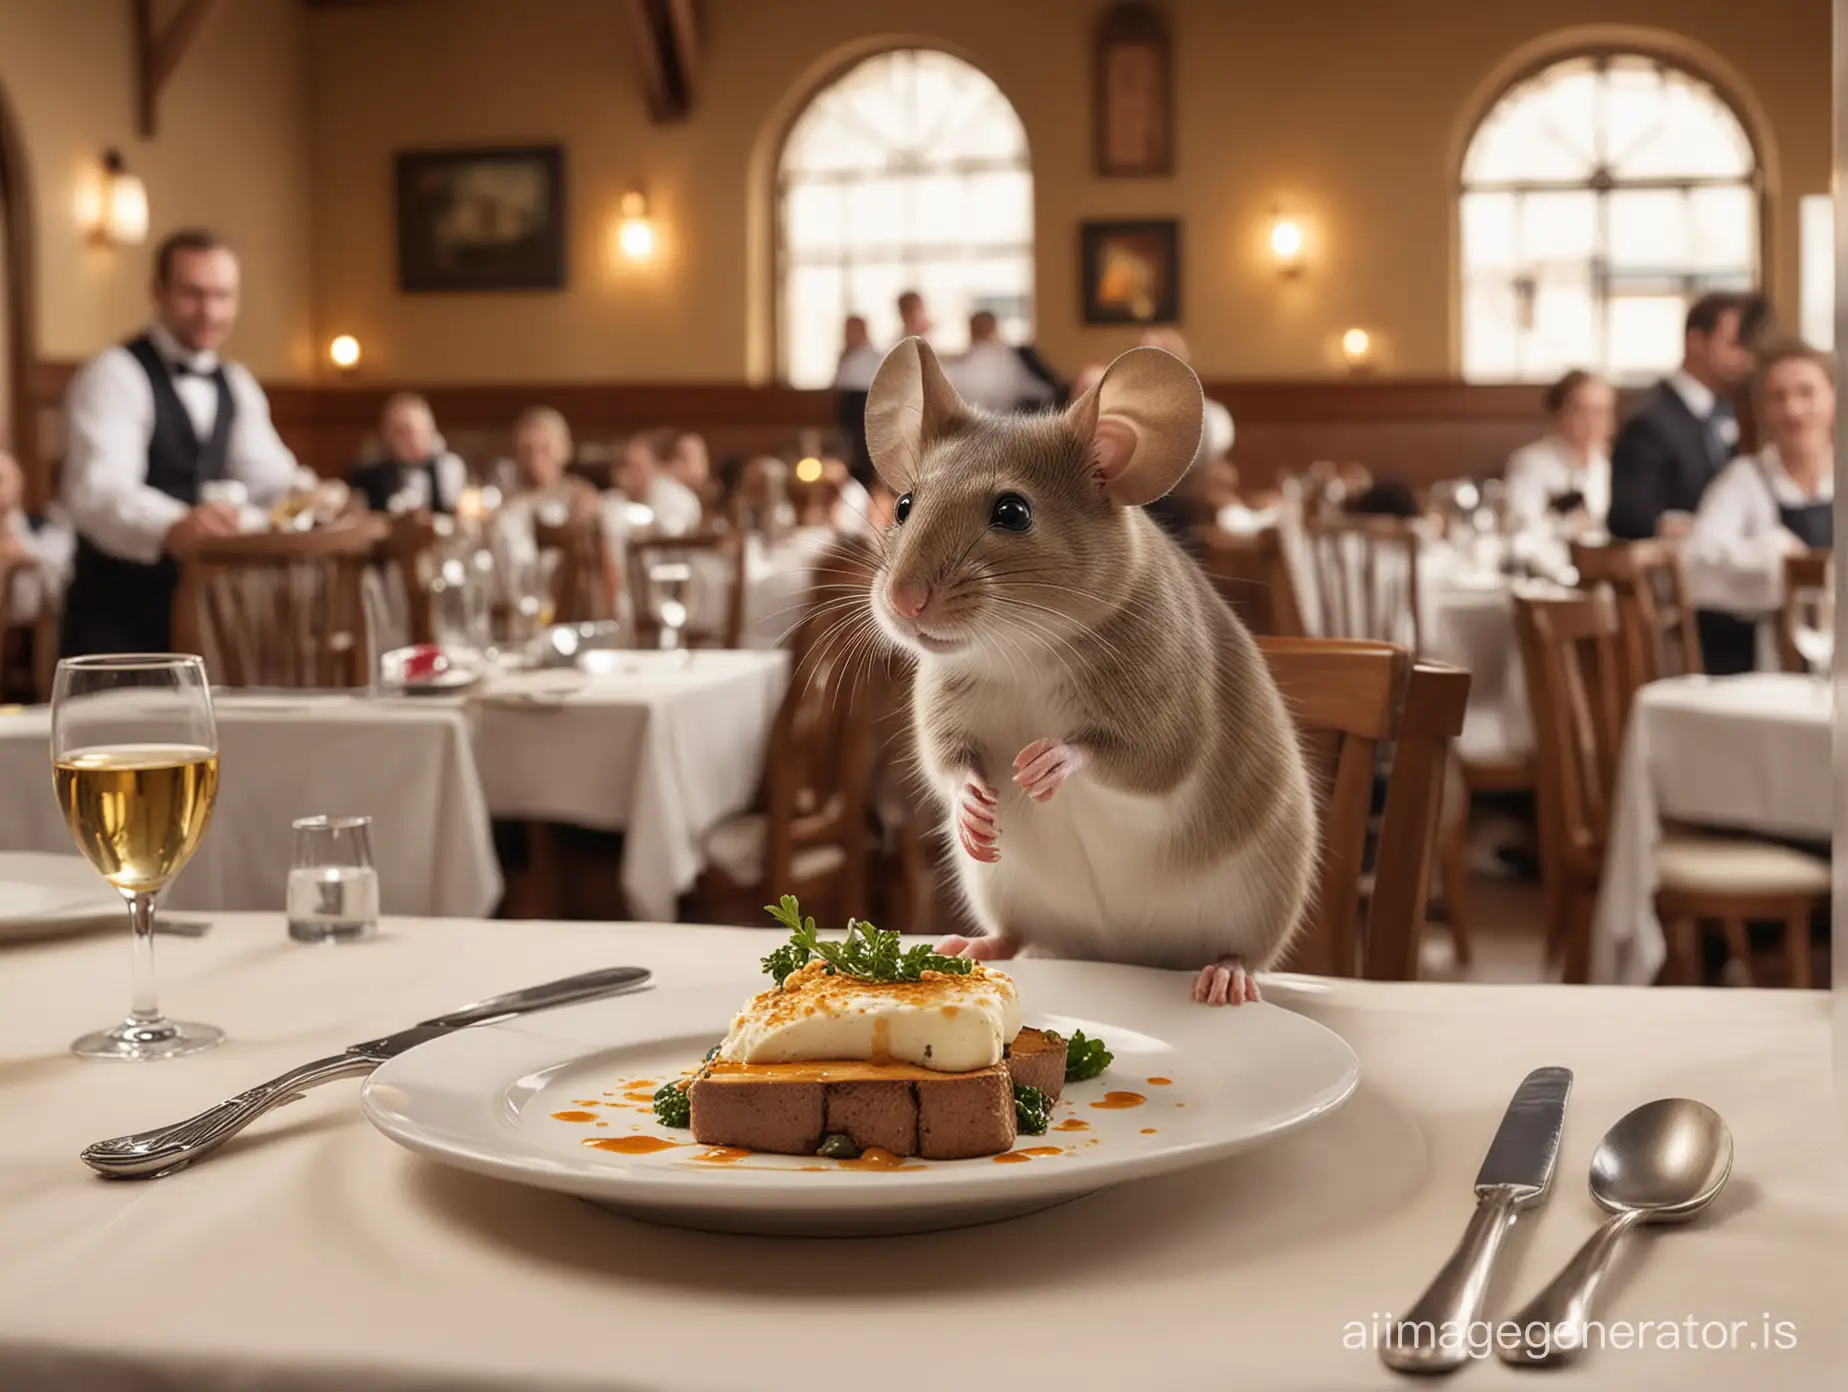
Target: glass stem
[[141, 917]]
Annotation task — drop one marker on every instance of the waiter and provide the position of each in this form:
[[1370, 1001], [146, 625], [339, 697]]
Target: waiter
[[150, 422]]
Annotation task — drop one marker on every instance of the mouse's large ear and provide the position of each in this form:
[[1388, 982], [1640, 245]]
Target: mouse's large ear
[[1143, 421], [910, 404]]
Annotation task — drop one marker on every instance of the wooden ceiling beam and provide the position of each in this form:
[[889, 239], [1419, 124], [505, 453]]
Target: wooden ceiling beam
[[158, 51], [666, 45]]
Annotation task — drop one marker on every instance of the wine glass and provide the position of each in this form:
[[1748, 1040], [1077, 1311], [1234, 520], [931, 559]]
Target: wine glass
[[134, 752], [669, 581], [1812, 627]]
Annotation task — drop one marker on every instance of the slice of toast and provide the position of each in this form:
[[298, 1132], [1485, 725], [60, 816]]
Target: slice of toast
[[790, 1108]]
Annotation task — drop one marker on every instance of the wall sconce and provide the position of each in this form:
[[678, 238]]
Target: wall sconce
[[119, 214], [635, 235], [1286, 244], [808, 470], [343, 352], [1357, 348]]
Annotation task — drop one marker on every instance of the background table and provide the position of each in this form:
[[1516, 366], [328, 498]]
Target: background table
[[316, 1253], [1748, 753], [660, 749], [408, 766]]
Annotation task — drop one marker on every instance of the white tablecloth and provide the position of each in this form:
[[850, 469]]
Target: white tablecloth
[[408, 766], [1748, 753], [315, 1253], [662, 750]]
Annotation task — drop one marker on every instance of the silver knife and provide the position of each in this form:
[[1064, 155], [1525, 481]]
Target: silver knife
[[1434, 1335], [151, 1154]]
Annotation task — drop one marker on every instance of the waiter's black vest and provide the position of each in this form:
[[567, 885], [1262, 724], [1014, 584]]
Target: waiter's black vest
[[114, 605], [1729, 642], [381, 480]]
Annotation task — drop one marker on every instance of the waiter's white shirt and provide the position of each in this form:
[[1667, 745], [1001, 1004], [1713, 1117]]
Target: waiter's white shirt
[[1539, 472], [857, 368], [414, 494], [991, 375], [109, 413], [1735, 553], [50, 548], [1702, 402]]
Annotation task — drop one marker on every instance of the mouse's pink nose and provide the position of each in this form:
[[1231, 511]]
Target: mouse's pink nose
[[908, 600]]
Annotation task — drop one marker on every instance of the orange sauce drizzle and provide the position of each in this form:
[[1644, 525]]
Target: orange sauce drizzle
[[1160, 1082], [877, 1158], [574, 1116], [1117, 1101], [1148, 1130], [722, 1155], [1072, 1124], [631, 1145], [1011, 1157]]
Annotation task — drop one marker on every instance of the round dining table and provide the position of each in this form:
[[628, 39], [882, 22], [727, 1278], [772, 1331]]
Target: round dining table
[[313, 1252], [1749, 753]]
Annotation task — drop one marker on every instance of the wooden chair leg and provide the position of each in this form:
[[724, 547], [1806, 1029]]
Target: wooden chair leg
[[1455, 856], [1683, 960], [1580, 902], [545, 871], [1797, 949], [1739, 945]]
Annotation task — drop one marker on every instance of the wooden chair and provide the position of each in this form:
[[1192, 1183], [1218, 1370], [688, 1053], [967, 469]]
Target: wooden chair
[[808, 832], [279, 609], [408, 554], [581, 588], [708, 554], [1656, 633], [1808, 570], [1345, 698], [1436, 698], [1251, 572], [1365, 573], [28, 643], [1575, 670]]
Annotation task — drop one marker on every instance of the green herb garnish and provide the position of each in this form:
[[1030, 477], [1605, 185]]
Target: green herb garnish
[[839, 1147], [672, 1106], [1085, 1058], [1032, 1110], [866, 952]]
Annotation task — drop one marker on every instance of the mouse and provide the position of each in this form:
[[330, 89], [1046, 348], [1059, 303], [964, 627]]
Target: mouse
[[1121, 776]]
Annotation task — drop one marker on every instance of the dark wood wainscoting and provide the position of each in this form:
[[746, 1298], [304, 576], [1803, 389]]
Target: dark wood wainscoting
[[1416, 430]]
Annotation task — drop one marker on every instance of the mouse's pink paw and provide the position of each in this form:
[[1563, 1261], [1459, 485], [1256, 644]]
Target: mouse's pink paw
[[1043, 766], [1225, 982], [992, 948], [976, 826]]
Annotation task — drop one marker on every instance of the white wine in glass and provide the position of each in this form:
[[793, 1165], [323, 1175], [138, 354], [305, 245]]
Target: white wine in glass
[[135, 762]]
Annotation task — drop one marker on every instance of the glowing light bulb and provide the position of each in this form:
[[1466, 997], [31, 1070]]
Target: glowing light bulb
[[1286, 242], [344, 352], [808, 470], [1356, 345]]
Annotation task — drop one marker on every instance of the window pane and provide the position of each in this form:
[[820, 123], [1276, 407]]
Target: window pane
[[1649, 229], [1491, 340], [898, 177], [1725, 227], [1816, 215], [1565, 327], [1488, 231], [1645, 335], [1556, 227]]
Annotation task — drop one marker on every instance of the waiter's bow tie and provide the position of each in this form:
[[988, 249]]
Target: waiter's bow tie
[[186, 369]]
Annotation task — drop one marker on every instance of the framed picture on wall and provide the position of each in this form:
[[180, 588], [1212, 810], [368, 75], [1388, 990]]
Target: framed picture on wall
[[481, 219], [1132, 271], [1133, 94]]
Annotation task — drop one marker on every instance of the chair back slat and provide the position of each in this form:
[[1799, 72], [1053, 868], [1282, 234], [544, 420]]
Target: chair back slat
[[279, 609], [1366, 577], [1807, 570], [1569, 644], [715, 557], [580, 580], [1656, 634], [1251, 572]]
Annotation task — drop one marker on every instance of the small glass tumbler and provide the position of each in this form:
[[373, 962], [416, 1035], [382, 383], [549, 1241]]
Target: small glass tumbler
[[333, 885]]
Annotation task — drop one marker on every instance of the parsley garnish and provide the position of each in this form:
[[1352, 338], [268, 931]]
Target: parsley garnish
[[1032, 1110], [672, 1106], [866, 952], [1085, 1058]]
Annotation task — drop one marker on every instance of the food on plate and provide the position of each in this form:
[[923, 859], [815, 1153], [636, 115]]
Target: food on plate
[[861, 1045]]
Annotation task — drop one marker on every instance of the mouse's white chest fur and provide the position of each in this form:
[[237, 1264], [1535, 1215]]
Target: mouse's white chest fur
[[1092, 872]]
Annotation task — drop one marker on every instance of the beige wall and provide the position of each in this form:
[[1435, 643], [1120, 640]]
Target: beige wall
[[1354, 110], [231, 152]]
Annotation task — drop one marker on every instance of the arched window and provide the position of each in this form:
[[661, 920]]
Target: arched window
[[908, 172], [1599, 198]]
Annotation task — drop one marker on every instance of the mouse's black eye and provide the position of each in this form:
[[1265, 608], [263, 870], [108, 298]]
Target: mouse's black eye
[[902, 509], [1011, 513]]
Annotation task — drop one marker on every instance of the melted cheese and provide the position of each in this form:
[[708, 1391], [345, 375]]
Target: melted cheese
[[947, 1024]]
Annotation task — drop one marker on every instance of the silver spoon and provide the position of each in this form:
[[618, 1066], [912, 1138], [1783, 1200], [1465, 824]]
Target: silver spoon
[[1663, 1163]]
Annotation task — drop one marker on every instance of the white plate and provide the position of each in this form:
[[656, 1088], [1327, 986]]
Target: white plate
[[483, 1100], [442, 684], [47, 896]]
